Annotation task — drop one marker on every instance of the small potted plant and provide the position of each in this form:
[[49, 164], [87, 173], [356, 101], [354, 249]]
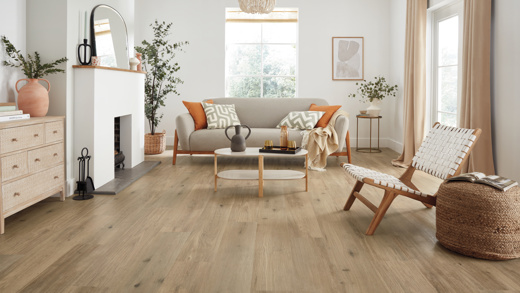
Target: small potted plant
[[374, 92], [158, 62], [33, 98]]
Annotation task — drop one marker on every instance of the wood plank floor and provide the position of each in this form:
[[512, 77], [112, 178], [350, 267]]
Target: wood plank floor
[[170, 232]]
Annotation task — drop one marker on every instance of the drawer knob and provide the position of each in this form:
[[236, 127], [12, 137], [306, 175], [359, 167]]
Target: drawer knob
[[36, 135], [36, 160], [55, 154], [55, 131], [15, 166], [16, 194], [14, 139], [56, 177]]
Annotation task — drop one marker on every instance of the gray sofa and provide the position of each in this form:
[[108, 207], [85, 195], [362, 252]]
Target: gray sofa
[[261, 115]]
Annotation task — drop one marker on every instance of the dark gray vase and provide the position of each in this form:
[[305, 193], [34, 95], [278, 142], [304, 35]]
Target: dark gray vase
[[238, 142]]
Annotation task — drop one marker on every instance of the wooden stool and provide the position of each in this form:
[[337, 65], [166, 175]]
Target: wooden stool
[[478, 220]]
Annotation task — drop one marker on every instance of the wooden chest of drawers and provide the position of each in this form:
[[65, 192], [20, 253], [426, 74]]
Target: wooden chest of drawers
[[32, 165]]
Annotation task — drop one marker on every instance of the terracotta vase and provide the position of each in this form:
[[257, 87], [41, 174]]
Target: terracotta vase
[[33, 98], [140, 65]]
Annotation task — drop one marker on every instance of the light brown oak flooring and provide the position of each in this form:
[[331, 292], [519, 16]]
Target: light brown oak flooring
[[170, 232]]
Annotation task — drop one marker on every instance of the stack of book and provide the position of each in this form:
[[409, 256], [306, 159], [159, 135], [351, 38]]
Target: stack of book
[[8, 112]]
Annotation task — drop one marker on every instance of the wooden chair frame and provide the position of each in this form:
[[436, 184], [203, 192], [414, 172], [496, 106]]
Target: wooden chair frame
[[391, 193], [177, 151]]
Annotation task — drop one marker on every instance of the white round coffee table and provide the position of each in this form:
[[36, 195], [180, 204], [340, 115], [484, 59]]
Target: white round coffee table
[[261, 174]]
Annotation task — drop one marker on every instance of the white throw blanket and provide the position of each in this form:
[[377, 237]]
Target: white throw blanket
[[321, 142]]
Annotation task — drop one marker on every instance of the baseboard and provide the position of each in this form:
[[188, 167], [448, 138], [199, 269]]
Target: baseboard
[[395, 145], [170, 140], [71, 187]]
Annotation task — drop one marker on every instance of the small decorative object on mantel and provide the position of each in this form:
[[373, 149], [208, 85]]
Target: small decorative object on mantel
[[85, 184], [374, 92], [96, 61], [133, 63], [84, 56], [238, 142], [161, 76], [257, 6], [140, 65], [33, 98]]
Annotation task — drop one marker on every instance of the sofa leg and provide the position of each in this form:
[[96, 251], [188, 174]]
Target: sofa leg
[[349, 155], [175, 143]]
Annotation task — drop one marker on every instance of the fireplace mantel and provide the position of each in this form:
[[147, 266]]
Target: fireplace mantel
[[106, 68], [100, 95]]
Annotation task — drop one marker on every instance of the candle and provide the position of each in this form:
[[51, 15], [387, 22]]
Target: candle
[[85, 25]]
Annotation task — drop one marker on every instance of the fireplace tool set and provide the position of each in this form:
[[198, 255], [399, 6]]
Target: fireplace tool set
[[85, 184]]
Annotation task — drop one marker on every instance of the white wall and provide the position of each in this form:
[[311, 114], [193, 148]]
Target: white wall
[[397, 37], [12, 25], [505, 66], [202, 66]]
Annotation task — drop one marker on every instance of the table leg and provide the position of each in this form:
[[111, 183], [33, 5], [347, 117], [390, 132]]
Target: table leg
[[216, 172], [357, 133], [260, 176], [378, 123], [307, 172], [370, 147]]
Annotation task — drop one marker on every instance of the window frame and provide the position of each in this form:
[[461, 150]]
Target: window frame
[[262, 44], [435, 16]]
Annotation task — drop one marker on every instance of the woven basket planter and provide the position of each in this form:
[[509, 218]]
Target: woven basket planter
[[154, 144], [478, 220]]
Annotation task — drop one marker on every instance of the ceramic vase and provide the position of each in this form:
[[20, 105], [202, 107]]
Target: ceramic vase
[[133, 63], [140, 65], [33, 98], [373, 109], [238, 142]]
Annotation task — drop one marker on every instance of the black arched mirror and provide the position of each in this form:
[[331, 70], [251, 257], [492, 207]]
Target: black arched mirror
[[108, 37]]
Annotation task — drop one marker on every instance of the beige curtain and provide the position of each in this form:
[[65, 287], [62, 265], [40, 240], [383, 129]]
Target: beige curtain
[[475, 99], [414, 81]]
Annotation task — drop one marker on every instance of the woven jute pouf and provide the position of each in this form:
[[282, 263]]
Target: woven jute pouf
[[478, 220]]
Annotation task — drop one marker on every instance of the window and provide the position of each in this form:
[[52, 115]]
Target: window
[[446, 31], [261, 54]]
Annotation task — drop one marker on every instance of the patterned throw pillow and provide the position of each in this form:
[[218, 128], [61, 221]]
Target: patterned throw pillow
[[301, 119], [220, 116]]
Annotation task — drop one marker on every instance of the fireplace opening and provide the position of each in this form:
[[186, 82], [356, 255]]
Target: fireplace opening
[[119, 157]]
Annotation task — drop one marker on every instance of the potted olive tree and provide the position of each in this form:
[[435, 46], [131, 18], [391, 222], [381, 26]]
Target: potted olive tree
[[33, 98], [158, 61]]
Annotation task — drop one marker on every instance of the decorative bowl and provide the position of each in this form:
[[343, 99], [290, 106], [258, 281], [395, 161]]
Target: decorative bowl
[[363, 112]]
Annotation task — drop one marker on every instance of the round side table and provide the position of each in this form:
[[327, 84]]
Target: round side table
[[369, 149]]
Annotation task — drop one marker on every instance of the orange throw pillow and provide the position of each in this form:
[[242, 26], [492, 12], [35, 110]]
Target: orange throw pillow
[[198, 114], [329, 111]]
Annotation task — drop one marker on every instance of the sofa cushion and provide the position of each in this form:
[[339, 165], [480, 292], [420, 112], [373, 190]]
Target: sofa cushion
[[267, 112], [220, 116], [329, 111], [301, 119], [197, 113], [209, 140]]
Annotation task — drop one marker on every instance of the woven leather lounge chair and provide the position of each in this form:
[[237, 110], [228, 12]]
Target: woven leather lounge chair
[[442, 154]]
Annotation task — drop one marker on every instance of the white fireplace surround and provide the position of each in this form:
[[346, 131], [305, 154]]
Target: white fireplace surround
[[100, 95]]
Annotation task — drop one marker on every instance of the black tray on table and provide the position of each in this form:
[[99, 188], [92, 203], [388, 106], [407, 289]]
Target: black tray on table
[[280, 150]]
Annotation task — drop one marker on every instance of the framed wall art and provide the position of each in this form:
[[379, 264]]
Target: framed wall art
[[347, 58]]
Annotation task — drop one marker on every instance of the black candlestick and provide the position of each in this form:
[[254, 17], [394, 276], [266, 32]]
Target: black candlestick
[[85, 59]]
